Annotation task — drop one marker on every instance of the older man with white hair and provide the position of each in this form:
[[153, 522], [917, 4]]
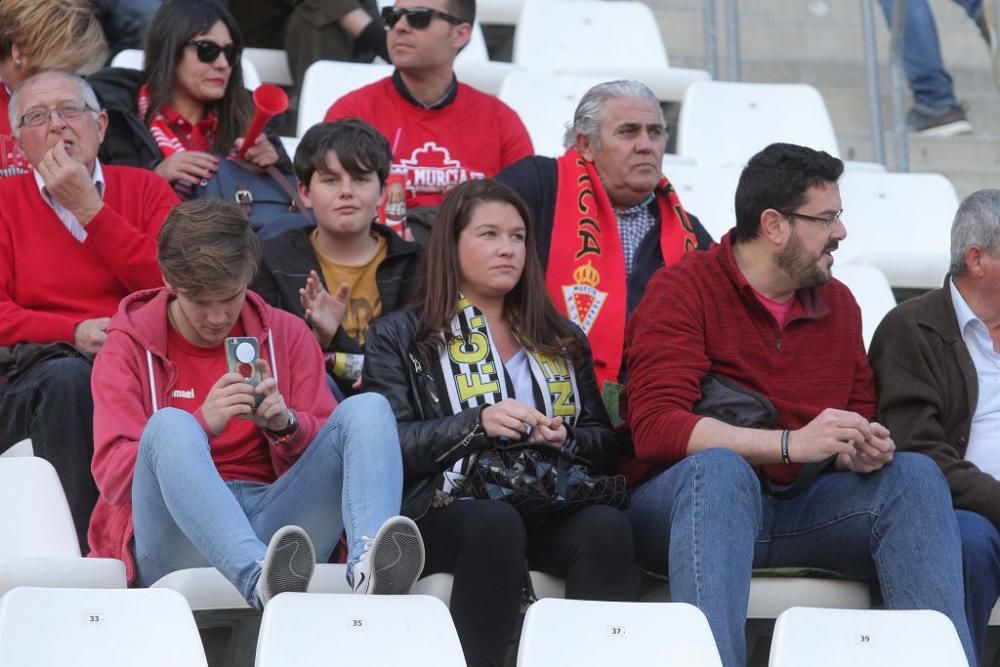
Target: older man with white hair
[[937, 372], [607, 217], [75, 237]]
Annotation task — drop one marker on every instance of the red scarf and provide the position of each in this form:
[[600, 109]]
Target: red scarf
[[174, 134], [589, 285]]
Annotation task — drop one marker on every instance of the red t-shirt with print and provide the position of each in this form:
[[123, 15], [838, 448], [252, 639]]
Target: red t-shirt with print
[[240, 451]]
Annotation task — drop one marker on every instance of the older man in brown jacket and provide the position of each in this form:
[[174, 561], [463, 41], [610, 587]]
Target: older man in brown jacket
[[937, 373]]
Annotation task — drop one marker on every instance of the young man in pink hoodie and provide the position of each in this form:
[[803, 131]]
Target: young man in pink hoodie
[[196, 466]]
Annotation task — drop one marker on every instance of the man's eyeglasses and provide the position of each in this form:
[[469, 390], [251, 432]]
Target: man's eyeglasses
[[66, 111], [827, 221], [417, 17], [208, 51]]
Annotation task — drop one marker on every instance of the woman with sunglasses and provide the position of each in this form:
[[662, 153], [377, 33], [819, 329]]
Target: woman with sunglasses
[[36, 35], [188, 108], [484, 358]]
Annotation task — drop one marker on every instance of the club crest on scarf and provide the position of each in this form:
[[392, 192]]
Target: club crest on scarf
[[584, 300]]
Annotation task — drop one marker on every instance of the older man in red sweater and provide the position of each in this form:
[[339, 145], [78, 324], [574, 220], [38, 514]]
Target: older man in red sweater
[[75, 238], [746, 361]]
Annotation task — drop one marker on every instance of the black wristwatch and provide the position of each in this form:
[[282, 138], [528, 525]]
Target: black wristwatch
[[290, 428]]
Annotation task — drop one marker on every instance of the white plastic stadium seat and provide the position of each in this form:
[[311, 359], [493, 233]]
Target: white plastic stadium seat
[[771, 595], [310, 630], [567, 633], [869, 638], [872, 292], [546, 103], [21, 448], [899, 223], [206, 589], [609, 40], [724, 123], [135, 59], [38, 543], [271, 65], [97, 628], [706, 192], [326, 81]]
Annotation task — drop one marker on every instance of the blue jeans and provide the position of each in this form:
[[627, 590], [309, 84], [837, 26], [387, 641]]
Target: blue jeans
[[185, 515], [922, 63], [981, 568], [705, 523]]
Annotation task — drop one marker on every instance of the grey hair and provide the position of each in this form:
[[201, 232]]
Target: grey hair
[[589, 114], [86, 92], [977, 222]]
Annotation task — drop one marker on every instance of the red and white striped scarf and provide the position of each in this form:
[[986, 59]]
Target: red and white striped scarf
[[174, 134]]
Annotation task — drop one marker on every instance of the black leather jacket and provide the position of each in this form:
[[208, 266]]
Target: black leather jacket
[[433, 439]]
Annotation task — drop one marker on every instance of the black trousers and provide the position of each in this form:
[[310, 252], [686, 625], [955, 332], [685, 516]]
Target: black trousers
[[484, 544], [51, 403]]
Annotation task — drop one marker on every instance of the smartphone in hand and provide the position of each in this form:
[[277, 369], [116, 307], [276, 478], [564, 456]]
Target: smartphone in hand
[[242, 353]]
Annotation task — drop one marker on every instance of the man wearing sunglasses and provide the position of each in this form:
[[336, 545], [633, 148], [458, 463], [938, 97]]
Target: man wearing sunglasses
[[442, 131], [75, 238]]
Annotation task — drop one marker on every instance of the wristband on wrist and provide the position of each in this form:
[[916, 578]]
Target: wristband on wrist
[[784, 447]]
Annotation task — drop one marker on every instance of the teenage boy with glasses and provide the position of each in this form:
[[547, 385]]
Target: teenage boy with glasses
[[76, 237], [442, 131]]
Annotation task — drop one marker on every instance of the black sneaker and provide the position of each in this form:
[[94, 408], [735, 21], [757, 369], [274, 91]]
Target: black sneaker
[[938, 121]]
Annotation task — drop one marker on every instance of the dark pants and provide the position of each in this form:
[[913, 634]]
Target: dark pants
[[51, 404], [981, 569], [484, 543]]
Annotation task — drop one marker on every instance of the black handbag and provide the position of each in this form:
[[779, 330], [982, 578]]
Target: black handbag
[[540, 480]]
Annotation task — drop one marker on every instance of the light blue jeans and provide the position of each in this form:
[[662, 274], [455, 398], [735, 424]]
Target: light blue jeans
[[185, 515], [922, 63], [705, 523]]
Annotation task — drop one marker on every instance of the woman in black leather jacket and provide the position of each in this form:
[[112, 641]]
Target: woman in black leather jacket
[[486, 357]]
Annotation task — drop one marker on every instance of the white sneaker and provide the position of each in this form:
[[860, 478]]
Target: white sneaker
[[392, 560], [288, 565]]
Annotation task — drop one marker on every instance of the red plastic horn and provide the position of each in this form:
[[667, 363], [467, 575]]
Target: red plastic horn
[[269, 101]]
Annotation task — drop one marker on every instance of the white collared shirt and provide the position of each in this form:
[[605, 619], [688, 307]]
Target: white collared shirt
[[63, 213], [984, 437]]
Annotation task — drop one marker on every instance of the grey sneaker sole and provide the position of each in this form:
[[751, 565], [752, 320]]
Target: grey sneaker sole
[[946, 130], [289, 563], [397, 554]]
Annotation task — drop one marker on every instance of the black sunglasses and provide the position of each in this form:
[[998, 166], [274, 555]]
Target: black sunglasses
[[417, 17], [209, 51]]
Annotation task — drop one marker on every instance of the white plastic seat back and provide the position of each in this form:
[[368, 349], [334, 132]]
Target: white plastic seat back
[[326, 81], [899, 223], [136, 59], [310, 630], [205, 588], [97, 628], [707, 193], [568, 633], [865, 638], [724, 123], [609, 40], [872, 292], [546, 103], [20, 448], [271, 65], [35, 520], [559, 35]]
